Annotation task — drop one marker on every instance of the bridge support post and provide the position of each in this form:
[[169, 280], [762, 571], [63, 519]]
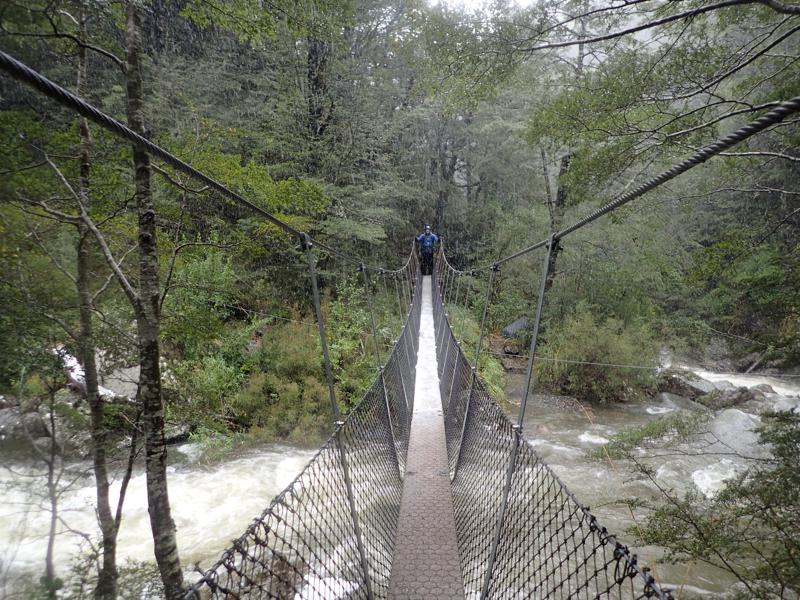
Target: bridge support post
[[518, 439], [305, 243], [466, 304], [492, 275]]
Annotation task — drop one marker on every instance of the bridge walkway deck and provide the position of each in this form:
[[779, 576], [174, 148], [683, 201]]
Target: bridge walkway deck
[[426, 562]]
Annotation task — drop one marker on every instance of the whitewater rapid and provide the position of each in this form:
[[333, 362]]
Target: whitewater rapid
[[569, 442], [211, 506]]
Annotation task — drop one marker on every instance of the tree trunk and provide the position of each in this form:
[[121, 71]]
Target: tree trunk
[[148, 327], [557, 218], [548, 190], [319, 107], [107, 575]]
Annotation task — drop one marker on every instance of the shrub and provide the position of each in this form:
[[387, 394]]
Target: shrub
[[581, 339], [274, 408], [205, 385], [750, 528]]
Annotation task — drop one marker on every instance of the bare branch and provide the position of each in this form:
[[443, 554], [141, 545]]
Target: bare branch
[[177, 183], [109, 256], [56, 263], [50, 212], [68, 36], [21, 169], [762, 153], [126, 478], [111, 275], [649, 25], [727, 115]]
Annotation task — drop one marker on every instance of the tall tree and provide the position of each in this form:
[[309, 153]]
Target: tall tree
[[147, 306]]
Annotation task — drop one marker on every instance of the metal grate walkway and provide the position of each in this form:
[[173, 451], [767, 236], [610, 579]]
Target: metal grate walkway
[[426, 562]]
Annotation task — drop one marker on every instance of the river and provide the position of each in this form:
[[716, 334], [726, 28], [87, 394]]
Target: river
[[566, 438], [211, 506]]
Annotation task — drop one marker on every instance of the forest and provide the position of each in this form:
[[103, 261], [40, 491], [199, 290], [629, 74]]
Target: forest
[[359, 121]]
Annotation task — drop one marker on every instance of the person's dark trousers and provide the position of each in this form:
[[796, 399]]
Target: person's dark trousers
[[427, 263]]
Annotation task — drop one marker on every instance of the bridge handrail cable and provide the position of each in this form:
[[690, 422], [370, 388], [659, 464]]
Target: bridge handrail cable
[[527, 535], [310, 537], [776, 115]]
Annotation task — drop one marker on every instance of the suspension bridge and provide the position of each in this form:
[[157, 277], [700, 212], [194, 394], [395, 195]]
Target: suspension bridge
[[426, 489]]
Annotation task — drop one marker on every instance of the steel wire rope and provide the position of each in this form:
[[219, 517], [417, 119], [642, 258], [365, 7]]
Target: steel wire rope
[[240, 545], [772, 117], [624, 562], [20, 71]]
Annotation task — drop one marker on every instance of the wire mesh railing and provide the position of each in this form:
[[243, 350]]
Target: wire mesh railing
[[521, 532], [306, 543]]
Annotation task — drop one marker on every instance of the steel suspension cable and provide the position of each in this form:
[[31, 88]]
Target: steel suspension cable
[[774, 116]]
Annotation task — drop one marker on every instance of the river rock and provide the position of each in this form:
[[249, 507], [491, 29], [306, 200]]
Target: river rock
[[177, 433], [6, 402], [20, 430], [514, 329], [719, 399], [734, 430], [16, 425], [764, 388], [683, 384], [724, 385], [675, 401]]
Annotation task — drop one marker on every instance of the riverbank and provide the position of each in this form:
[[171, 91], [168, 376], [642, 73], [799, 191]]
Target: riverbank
[[570, 436]]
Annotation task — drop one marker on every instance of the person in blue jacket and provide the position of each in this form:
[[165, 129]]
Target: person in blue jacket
[[427, 244]]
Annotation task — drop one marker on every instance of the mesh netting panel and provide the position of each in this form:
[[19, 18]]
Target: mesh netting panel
[[305, 545], [478, 487], [377, 486], [394, 382], [550, 545], [572, 554], [457, 406]]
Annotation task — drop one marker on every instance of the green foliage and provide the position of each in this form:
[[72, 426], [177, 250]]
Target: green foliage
[[76, 420], [350, 344], [750, 527], [252, 21], [751, 291], [207, 383], [216, 446], [277, 408], [138, 580], [202, 293], [583, 338]]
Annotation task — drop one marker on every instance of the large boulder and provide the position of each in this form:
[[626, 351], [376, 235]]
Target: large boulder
[[719, 399], [16, 424], [764, 388], [684, 384], [19, 429], [724, 385], [734, 430], [675, 401]]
